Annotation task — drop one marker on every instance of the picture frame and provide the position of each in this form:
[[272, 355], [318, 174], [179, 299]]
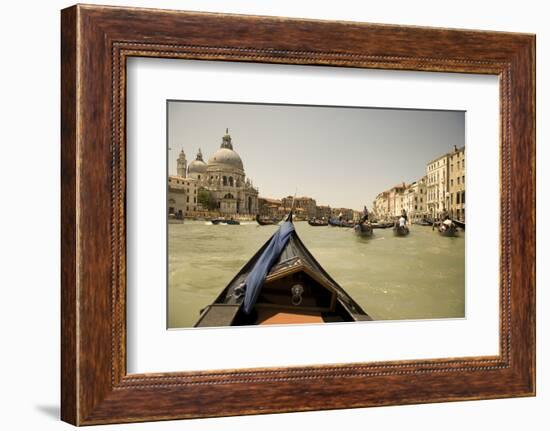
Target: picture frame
[[96, 41]]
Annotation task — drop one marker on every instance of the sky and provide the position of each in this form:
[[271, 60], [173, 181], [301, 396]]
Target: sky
[[340, 156]]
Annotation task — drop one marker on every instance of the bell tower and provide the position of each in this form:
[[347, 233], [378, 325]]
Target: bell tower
[[182, 164]]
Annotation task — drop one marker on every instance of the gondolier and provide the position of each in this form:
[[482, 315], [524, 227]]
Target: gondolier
[[365, 214]]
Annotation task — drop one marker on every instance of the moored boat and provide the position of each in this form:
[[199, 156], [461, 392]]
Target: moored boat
[[363, 229], [175, 219], [282, 283], [423, 222], [340, 223], [263, 221], [382, 225], [317, 222], [224, 221]]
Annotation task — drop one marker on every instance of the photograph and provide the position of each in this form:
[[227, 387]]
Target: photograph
[[306, 214]]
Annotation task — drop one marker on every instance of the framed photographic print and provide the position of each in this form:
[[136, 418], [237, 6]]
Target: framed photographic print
[[278, 206]]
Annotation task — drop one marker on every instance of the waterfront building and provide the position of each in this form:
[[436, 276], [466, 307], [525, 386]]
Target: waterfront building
[[438, 185], [323, 211], [182, 195], [304, 206], [457, 183], [224, 177], [442, 188], [446, 184], [347, 213], [269, 207], [396, 199], [380, 206], [415, 200]]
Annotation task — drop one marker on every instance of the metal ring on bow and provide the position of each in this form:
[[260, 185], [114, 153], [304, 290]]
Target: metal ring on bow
[[297, 291]]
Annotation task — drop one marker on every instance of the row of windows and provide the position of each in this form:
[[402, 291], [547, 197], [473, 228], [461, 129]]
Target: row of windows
[[187, 183], [434, 165], [458, 165], [458, 181], [434, 178], [226, 181]]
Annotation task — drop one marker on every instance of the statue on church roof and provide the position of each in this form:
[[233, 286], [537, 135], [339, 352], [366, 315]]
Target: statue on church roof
[[226, 140]]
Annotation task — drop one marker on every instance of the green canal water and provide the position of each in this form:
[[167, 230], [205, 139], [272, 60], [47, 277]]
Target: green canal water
[[420, 276]]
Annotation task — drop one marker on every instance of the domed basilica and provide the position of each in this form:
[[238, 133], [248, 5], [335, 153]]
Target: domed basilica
[[224, 177]]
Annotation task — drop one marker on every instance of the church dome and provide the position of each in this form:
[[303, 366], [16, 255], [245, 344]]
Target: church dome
[[197, 166], [226, 156]]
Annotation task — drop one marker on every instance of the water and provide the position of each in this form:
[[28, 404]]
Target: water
[[420, 276]]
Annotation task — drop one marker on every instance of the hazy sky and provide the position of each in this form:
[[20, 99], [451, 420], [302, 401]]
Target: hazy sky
[[342, 157]]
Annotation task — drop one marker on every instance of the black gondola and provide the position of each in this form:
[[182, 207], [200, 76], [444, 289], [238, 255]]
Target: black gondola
[[382, 225], [423, 222], [460, 224], [262, 221], [282, 283], [224, 221], [447, 230], [400, 230], [317, 222], [363, 229], [340, 223]]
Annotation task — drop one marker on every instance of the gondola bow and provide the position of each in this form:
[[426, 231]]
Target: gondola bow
[[281, 283]]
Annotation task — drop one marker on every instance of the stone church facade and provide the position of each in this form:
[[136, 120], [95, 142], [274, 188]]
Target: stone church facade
[[224, 177]]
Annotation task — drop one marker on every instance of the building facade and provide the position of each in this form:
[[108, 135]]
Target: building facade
[[345, 213], [304, 206], [415, 200], [224, 177], [323, 212], [380, 206], [443, 188], [438, 186], [397, 199], [457, 184], [182, 196], [269, 207]]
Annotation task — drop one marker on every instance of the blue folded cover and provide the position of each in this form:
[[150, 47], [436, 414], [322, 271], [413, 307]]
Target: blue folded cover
[[255, 279]]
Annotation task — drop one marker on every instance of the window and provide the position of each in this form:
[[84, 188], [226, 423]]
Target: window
[[451, 182], [463, 197], [463, 179], [458, 180], [187, 199], [457, 197]]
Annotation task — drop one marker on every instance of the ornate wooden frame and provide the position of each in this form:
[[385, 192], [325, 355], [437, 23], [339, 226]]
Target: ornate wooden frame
[[95, 42]]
